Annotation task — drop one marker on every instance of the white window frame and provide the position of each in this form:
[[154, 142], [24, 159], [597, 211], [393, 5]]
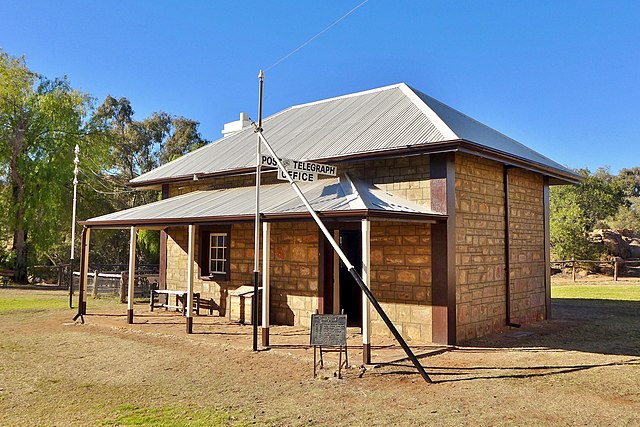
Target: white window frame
[[213, 253]]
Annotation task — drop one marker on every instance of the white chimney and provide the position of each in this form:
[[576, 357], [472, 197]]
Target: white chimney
[[235, 127]]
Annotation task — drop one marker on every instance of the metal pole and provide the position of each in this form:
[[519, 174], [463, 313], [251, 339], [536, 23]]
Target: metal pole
[[190, 274], [76, 160], [84, 265], [346, 261], [256, 234], [133, 236]]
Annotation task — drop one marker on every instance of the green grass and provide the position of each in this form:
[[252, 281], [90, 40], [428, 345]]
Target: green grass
[[131, 415], [12, 304], [597, 290]]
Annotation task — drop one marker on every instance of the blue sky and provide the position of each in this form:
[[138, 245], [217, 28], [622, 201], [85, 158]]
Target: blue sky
[[559, 76]]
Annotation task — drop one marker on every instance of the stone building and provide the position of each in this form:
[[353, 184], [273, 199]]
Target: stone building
[[448, 218]]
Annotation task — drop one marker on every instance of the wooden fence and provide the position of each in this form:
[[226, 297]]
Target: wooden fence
[[618, 266], [116, 284], [52, 274]]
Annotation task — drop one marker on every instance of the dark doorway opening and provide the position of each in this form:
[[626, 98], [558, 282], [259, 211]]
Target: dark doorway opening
[[350, 293]]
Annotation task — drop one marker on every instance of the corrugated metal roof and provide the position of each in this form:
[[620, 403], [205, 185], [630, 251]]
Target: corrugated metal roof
[[341, 194], [387, 118], [472, 130]]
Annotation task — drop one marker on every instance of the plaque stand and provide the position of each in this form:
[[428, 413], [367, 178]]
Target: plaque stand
[[317, 349], [329, 335]]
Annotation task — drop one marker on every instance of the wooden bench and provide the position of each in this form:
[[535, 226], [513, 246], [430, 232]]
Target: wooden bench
[[206, 304], [181, 299], [6, 276]]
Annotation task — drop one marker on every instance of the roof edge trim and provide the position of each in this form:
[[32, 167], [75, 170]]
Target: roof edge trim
[[168, 222], [424, 148]]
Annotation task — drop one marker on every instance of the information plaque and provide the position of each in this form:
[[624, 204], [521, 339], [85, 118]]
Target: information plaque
[[329, 330]]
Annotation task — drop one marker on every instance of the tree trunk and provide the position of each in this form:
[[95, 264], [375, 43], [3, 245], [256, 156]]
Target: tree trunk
[[17, 198], [20, 248]]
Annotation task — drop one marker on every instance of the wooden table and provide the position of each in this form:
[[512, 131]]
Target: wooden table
[[181, 299]]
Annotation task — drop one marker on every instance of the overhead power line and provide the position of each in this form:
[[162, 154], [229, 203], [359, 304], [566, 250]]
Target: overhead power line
[[336, 22]]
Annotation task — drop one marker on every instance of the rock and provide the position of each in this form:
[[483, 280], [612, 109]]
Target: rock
[[613, 241], [634, 247], [625, 232]]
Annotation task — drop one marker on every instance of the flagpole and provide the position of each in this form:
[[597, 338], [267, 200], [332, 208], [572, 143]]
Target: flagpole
[[76, 160], [256, 236]]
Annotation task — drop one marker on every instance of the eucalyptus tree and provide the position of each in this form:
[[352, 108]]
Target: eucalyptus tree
[[41, 120], [577, 210], [136, 147], [139, 146]]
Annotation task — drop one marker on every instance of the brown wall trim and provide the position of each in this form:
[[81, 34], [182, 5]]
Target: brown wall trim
[[443, 253]]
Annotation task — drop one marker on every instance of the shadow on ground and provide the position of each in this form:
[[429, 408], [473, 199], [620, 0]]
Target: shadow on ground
[[587, 325], [597, 329]]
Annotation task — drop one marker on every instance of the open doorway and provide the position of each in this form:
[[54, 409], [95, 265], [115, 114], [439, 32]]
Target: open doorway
[[340, 290]]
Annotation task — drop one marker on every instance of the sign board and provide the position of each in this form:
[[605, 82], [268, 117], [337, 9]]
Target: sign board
[[329, 329], [267, 160], [298, 176], [296, 165]]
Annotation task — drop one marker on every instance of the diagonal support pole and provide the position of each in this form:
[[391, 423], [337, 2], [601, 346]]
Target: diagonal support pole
[[345, 260]]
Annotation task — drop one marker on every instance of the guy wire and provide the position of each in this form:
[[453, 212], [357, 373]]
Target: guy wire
[[317, 35]]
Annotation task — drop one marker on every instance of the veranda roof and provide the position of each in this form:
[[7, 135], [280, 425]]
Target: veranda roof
[[335, 197], [384, 121]]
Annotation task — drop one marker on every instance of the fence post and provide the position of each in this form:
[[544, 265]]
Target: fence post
[[95, 283], [71, 276], [573, 265], [123, 286]]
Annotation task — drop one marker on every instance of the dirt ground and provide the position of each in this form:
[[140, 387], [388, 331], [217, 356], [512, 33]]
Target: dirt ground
[[582, 368]]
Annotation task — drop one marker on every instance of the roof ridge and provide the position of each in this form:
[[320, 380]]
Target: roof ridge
[[350, 189], [348, 95], [446, 131]]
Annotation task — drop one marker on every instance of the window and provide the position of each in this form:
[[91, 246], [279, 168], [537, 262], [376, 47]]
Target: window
[[214, 252], [217, 253]]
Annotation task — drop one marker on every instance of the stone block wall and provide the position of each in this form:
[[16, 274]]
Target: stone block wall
[[218, 183], [401, 278], [480, 260], [401, 252], [401, 258], [294, 273], [294, 269], [406, 177], [241, 264], [526, 226]]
